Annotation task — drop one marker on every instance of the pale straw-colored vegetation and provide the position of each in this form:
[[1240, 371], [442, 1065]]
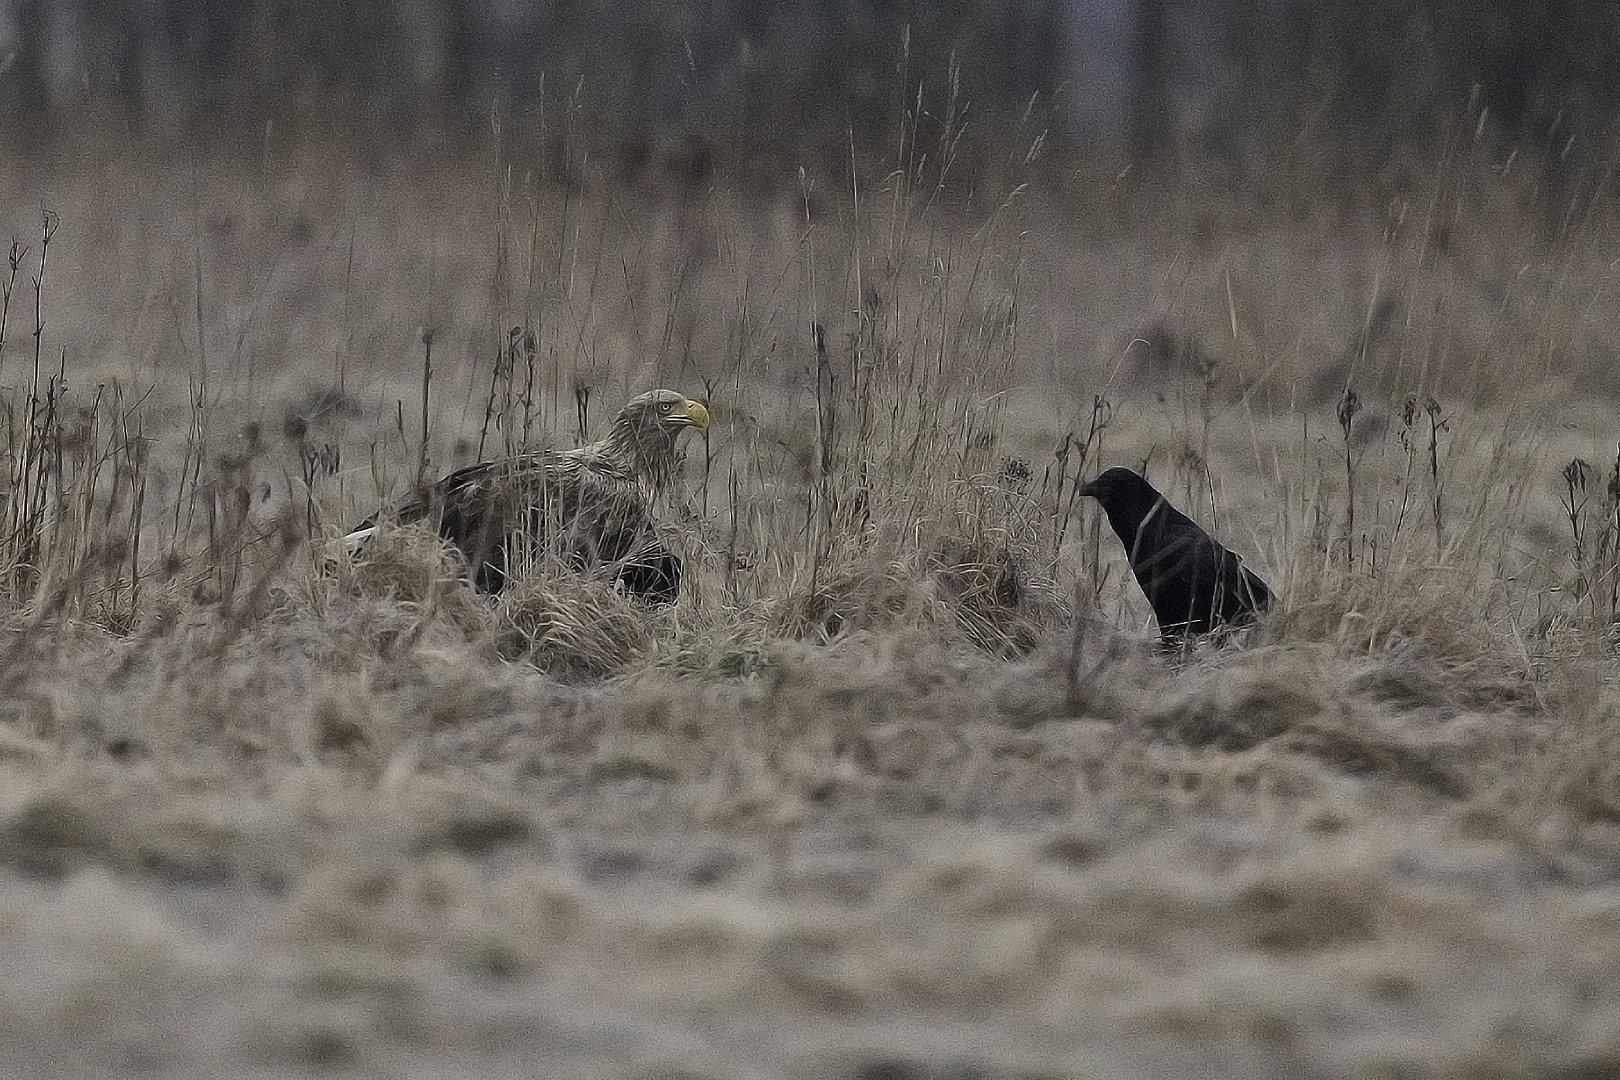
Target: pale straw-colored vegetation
[[899, 788]]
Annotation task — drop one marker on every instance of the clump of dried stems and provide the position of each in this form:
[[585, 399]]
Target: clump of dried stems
[[870, 481]]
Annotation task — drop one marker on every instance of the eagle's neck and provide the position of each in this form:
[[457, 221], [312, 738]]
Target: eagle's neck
[[649, 455]]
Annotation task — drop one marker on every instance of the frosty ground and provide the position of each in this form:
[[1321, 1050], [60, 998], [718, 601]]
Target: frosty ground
[[900, 787]]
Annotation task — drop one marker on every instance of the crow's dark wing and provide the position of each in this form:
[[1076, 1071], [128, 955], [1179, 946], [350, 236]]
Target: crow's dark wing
[[1192, 582]]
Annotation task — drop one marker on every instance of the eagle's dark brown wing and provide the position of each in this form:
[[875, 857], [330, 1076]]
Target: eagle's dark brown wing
[[586, 509], [576, 508]]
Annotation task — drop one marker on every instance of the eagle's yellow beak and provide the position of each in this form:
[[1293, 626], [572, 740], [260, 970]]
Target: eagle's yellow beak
[[695, 414]]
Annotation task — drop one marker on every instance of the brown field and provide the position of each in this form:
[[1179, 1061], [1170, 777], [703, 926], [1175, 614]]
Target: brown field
[[899, 788]]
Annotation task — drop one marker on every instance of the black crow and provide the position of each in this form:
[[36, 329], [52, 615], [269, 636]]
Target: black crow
[[1193, 583]]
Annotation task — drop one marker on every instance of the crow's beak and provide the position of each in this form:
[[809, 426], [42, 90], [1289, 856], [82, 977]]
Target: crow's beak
[[1090, 489]]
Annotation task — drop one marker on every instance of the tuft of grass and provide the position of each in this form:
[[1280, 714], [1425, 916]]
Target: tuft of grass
[[903, 746], [573, 627]]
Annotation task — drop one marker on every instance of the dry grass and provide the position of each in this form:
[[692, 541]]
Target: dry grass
[[899, 787]]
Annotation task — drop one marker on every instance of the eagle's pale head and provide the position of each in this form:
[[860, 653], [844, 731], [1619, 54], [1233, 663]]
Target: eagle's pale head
[[645, 431], [663, 410]]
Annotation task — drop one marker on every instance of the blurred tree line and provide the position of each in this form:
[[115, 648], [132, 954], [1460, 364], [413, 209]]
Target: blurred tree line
[[687, 83]]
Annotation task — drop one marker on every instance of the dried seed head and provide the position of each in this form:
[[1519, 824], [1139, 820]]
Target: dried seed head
[[1016, 473], [1349, 405]]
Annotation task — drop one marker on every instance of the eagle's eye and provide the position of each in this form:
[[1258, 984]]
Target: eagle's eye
[[664, 407]]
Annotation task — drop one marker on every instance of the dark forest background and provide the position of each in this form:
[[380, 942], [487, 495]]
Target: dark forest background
[[689, 87]]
